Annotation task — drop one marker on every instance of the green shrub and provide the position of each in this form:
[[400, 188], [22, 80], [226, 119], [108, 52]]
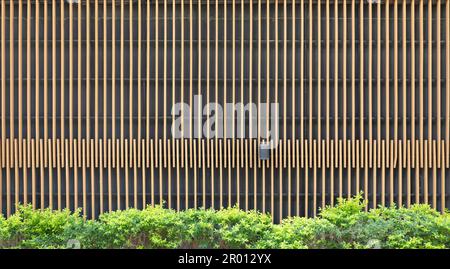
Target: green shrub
[[29, 228], [346, 225], [226, 228]]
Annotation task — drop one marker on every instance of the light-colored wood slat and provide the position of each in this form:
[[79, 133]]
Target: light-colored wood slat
[[178, 175], [314, 194], [160, 173], [443, 168], [395, 86], [357, 166], [33, 173], [374, 173], [105, 81], [135, 175], [144, 176], [447, 86], [12, 68], [67, 178], [246, 169], [100, 177], [284, 78], [379, 112], [400, 175], [25, 154], [282, 150], [3, 80], [268, 64], [183, 128], [173, 65], [152, 173], [109, 166], [186, 179], [259, 76], [408, 184], [336, 77], [191, 88], [327, 82], [430, 69], [341, 165], [96, 86], [16, 175], [302, 77], [50, 175], [293, 70], [8, 177], [310, 116], [250, 68], [228, 145], [41, 175], [233, 87], [88, 83], [113, 76], [79, 60], [126, 170], [425, 174], [417, 187], [92, 177], [387, 73], [28, 93], [289, 189], [75, 172], [118, 179], [370, 86], [195, 175], [413, 80], [391, 173], [199, 86], [353, 79], [319, 81], [122, 97], [434, 203], [139, 86], [344, 81], [323, 174], [37, 84], [306, 181], [255, 178], [213, 169], [130, 67], [421, 78], [383, 172], [272, 181], [216, 86], [404, 84], [20, 81], [438, 81], [297, 177], [58, 169], [361, 74]]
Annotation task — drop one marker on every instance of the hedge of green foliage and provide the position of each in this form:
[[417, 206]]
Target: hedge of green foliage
[[346, 225]]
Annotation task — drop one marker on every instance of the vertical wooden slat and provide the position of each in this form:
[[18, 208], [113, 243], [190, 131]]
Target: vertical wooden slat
[[8, 178], [421, 78], [447, 85], [3, 81], [96, 89], [12, 68], [20, 82], [37, 83]]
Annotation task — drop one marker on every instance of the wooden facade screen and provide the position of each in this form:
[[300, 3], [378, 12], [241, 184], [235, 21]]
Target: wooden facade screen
[[88, 87]]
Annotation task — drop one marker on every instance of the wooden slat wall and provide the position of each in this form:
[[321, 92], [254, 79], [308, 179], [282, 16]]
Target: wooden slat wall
[[363, 89]]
